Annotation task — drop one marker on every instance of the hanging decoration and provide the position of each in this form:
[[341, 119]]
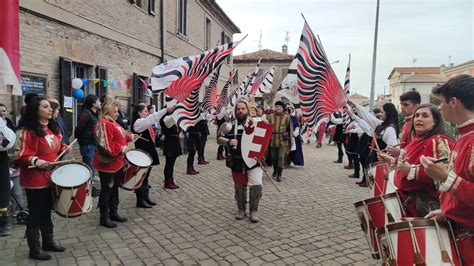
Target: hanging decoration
[[78, 94], [77, 83]]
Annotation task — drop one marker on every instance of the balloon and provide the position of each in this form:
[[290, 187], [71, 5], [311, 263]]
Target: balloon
[[77, 83], [78, 94]]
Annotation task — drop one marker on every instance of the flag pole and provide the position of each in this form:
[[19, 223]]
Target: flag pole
[[266, 173]]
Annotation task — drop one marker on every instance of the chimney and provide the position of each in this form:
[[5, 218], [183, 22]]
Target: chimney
[[284, 49]]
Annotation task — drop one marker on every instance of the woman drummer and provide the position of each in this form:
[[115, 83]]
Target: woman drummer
[[142, 123], [416, 189], [40, 144], [111, 141]]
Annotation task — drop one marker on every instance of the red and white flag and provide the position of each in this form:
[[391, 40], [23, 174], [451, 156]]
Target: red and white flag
[[318, 87], [10, 46], [179, 77]]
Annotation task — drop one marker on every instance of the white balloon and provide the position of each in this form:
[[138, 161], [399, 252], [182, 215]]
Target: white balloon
[[76, 83]]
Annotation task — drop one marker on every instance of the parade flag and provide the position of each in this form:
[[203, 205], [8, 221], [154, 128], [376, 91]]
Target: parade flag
[[345, 117], [319, 90], [210, 93], [187, 113], [289, 84], [262, 84], [222, 101], [10, 46], [179, 77]]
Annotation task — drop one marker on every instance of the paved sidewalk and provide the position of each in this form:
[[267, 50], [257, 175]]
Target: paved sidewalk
[[311, 221]]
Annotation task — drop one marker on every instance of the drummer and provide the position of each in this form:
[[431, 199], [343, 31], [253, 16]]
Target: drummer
[[457, 180], [417, 190], [142, 123], [39, 145], [111, 141]]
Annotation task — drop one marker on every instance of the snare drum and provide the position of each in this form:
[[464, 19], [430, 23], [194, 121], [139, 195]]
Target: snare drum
[[380, 179], [418, 241], [71, 187], [374, 213], [139, 163]]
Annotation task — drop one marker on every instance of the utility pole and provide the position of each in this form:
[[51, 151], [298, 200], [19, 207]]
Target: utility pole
[[374, 58], [287, 38]]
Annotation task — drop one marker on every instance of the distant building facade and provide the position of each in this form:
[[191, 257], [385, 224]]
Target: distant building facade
[[421, 79]]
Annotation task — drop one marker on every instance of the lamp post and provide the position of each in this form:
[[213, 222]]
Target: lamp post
[[374, 58]]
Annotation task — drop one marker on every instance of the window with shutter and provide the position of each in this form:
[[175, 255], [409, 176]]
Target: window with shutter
[[65, 89], [151, 7], [139, 89], [101, 73], [182, 17]]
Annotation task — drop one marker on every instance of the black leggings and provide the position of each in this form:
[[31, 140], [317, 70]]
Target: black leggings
[[193, 144], [340, 153], [109, 195], [4, 180], [169, 167], [40, 202]]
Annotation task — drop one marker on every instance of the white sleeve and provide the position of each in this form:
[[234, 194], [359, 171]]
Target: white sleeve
[[336, 121], [356, 130], [368, 117], [7, 136], [363, 125], [143, 123], [390, 136], [296, 132]]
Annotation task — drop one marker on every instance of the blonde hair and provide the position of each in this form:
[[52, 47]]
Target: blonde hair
[[108, 107]]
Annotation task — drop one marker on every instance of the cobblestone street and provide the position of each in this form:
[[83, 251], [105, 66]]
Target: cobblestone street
[[311, 221]]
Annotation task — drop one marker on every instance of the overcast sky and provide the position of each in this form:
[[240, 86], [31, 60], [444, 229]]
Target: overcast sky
[[428, 30]]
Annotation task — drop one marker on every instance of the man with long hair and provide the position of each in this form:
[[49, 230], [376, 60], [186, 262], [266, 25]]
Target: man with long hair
[[230, 134]]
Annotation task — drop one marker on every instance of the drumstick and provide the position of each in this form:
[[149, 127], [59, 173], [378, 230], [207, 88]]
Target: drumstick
[[63, 152], [440, 160], [266, 173], [444, 254], [418, 259], [143, 139], [53, 163], [139, 136]]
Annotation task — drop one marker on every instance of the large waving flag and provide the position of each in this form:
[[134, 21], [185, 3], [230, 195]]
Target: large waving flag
[[319, 90], [262, 84], [188, 113], [345, 117], [223, 99], [10, 46], [179, 77], [210, 93]]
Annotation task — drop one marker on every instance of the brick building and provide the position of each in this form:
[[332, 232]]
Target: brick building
[[110, 40]]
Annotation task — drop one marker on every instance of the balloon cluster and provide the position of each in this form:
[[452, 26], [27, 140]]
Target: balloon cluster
[[77, 92]]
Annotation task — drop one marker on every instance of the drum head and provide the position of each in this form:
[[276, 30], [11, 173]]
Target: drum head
[[138, 158], [71, 175]]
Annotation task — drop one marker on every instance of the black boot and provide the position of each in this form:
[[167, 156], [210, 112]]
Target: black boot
[[48, 241], [114, 216], [146, 196], [5, 228], [36, 253], [255, 196], [279, 173], [275, 171], [141, 203], [354, 175], [104, 218], [241, 200]]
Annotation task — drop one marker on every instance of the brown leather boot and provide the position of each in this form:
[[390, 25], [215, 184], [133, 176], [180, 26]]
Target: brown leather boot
[[191, 171], [201, 160]]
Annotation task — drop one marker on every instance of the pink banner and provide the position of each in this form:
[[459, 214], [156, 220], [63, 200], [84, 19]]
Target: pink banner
[[9, 36]]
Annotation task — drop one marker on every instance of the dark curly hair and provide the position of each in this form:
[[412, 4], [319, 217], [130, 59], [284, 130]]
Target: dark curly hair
[[135, 116], [31, 118]]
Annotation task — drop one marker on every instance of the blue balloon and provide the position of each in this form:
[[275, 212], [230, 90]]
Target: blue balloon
[[78, 94]]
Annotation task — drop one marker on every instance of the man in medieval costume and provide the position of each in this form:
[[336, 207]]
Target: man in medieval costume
[[245, 172]]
